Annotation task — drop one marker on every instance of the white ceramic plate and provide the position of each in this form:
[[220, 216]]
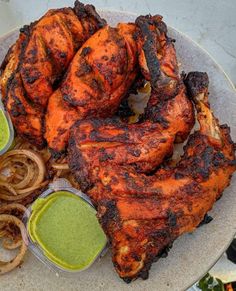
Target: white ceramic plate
[[192, 254]]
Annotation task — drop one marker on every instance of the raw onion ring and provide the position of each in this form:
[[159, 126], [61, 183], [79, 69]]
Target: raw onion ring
[[3, 232], [8, 187], [11, 244], [27, 179], [12, 206], [28, 167], [6, 267], [27, 192], [33, 157]]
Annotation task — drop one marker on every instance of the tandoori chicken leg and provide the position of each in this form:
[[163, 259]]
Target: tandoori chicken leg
[[142, 215]]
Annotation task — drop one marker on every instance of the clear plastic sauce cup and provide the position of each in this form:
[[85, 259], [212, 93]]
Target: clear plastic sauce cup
[[63, 231]]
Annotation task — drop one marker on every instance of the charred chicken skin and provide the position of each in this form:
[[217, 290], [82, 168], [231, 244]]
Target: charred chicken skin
[[142, 215], [37, 61], [94, 84], [104, 69], [142, 145], [168, 118]]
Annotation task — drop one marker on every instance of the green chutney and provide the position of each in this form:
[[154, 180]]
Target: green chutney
[[4, 131], [67, 230]]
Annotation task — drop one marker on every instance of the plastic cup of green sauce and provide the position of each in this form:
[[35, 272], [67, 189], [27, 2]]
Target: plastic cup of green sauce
[[64, 229], [6, 131]]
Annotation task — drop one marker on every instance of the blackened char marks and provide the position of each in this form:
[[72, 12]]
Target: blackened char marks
[[83, 69], [159, 119], [104, 156], [207, 219], [63, 55], [160, 25], [155, 114], [96, 85], [111, 65], [96, 123], [17, 107], [134, 152], [202, 164], [164, 252], [196, 83], [83, 11], [97, 136], [172, 218], [77, 163], [158, 237], [226, 129], [108, 213], [26, 29], [9, 84], [124, 110], [30, 75], [149, 49], [32, 56], [85, 51]]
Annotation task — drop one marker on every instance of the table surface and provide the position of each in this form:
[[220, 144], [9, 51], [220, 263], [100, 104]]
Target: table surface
[[212, 24]]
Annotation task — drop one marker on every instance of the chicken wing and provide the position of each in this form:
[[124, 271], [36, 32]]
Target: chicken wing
[[142, 215], [142, 145]]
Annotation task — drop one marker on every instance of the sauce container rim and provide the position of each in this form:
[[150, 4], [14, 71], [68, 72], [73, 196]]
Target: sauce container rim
[[11, 129], [59, 184]]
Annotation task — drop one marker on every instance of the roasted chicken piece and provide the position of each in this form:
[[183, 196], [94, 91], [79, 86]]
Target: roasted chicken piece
[[142, 215], [104, 69], [142, 145], [27, 118], [94, 84], [37, 61], [157, 57]]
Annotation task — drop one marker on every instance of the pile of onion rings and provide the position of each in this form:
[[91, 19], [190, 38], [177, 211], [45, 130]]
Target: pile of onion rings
[[22, 172]]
